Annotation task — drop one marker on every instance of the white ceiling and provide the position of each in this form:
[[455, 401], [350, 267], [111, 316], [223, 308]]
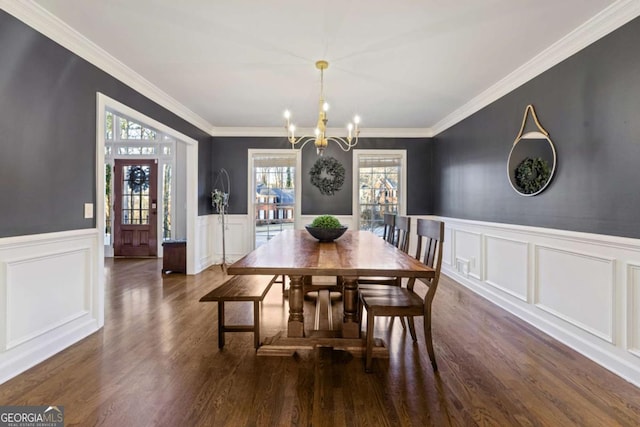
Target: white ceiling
[[400, 64]]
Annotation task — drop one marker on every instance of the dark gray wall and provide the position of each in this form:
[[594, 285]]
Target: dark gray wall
[[590, 105], [48, 132], [231, 153]]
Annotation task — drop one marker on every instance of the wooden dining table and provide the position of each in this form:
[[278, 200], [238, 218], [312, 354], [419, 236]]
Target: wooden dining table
[[355, 254]]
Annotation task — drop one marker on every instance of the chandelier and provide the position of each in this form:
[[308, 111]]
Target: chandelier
[[320, 137]]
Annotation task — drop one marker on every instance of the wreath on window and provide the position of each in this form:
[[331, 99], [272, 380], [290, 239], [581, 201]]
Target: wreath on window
[[137, 179], [328, 175], [532, 174]]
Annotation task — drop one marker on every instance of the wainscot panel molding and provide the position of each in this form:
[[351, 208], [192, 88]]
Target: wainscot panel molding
[[633, 308], [51, 293], [500, 251], [562, 275], [582, 289], [467, 249], [447, 250], [238, 237], [204, 243]]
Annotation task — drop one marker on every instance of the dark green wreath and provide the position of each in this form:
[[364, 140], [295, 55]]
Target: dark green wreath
[[333, 168], [137, 179], [532, 175]]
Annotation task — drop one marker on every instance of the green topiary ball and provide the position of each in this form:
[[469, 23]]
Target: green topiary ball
[[326, 221]]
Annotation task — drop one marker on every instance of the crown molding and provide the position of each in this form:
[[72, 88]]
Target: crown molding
[[249, 131], [280, 132], [43, 21], [610, 19], [396, 133]]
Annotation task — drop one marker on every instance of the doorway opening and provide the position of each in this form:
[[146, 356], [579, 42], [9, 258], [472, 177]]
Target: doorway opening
[[145, 149], [138, 201]]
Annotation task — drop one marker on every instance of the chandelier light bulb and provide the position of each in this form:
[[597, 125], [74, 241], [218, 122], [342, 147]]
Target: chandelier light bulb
[[287, 114], [350, 127], [356, 120], [317, 132], [325, 107], [292, 128]]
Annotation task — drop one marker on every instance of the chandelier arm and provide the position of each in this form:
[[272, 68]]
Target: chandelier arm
[[302, 140], [342, 143]]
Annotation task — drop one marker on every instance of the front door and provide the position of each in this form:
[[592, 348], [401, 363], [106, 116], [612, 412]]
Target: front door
[[135, 208]]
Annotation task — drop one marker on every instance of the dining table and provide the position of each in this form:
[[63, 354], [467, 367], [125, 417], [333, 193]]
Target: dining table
[[357, 253]]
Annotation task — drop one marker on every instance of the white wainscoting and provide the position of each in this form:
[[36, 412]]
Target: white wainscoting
[[500, 251], [467, 246], [51, 294], [633, 308], [577, 288], [237, 236], [204, 243], [583, 289]]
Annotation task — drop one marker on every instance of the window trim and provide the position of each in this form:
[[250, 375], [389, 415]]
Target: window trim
[[357, 153]]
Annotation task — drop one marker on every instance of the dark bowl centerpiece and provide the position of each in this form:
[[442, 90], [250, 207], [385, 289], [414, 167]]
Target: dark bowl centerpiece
[[326, 228]]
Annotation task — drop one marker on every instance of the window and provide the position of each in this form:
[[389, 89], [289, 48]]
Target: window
[[379, 186], [135, 194], [274, 189], [166, 196]]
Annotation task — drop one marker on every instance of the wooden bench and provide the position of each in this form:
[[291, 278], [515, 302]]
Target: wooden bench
[[240, 288]]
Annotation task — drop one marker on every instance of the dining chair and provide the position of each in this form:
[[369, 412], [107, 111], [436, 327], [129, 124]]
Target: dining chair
[[402, 232], [398, 301]]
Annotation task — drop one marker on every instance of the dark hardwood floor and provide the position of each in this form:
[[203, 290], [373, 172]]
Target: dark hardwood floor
[[156, 363]]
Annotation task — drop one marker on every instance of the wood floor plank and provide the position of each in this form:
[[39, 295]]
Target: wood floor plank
[[156, 363]]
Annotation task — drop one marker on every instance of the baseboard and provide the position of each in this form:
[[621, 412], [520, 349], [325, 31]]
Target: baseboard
[[25, 359]]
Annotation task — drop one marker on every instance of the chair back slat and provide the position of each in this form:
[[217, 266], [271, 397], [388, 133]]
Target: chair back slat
[[430, 253], [432, 233], [389, 221], [403, 232]]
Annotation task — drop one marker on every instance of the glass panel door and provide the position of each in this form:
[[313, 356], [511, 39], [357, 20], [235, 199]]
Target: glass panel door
[[135, 210]]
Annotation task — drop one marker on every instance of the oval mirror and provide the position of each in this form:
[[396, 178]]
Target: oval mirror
[[532, 160]]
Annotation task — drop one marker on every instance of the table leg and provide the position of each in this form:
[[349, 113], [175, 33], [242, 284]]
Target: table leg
[[350, 325], [295, 328]]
